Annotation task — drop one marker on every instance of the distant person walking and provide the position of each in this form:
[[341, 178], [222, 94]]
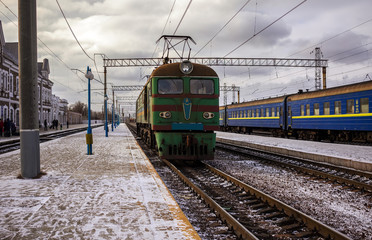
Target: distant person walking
[[45, 125]]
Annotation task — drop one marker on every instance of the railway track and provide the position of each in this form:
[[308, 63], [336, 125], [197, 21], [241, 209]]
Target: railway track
[[14, 144], [251, 213], [248, 212], [349, 177]]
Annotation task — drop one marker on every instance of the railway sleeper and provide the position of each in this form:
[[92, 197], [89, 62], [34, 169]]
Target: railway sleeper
[[267, 210], [292, 226], [285, 221], [253, 201], [259, 206], [275, 215]]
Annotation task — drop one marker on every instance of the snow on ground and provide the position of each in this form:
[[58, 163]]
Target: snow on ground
[[113, 194], [353, 152], [345, 210]]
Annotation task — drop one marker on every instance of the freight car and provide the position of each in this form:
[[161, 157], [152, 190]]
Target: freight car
[[177, 111], [336, 114]]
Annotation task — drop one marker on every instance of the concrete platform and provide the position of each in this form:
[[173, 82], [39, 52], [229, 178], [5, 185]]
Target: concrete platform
[[351, 156], [113, 194]]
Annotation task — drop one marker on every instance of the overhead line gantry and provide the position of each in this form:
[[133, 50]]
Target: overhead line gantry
[[210, 61]]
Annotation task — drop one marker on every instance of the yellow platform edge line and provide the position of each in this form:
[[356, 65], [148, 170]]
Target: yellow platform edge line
[[183, 223]]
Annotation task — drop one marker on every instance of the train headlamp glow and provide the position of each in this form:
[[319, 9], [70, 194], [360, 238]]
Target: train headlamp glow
[[165, 115], [208, 115], [186, 67]]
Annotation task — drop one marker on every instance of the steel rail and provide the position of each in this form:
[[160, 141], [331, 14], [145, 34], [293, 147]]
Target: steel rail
[[313, 172], [238, 228], [311, 223]]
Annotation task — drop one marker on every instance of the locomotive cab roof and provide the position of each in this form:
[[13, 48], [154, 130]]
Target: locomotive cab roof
[[174, 70]]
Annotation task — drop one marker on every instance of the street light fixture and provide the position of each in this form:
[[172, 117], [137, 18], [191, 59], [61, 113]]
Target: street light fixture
[[89, 137]]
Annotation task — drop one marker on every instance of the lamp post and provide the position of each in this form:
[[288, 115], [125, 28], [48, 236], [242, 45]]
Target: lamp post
[[106, 125], [112, 123], [89, 136], [105, 100]]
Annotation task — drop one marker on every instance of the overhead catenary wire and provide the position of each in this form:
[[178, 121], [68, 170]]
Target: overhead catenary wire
[[68, 24], [215, 35], [254, 35], [187, 8], [165, 25]]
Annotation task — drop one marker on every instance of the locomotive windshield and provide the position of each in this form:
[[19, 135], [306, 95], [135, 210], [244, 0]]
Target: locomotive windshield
[[202, 86], [170, 86]]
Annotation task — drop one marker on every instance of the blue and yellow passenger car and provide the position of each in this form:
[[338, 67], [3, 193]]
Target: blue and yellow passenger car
[[342, 113]]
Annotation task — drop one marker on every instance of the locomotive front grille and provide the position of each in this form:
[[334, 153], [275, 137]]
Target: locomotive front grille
[[193, 150]]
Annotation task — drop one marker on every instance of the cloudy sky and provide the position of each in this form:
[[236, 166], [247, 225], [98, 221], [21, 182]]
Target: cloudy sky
[[130, 28]]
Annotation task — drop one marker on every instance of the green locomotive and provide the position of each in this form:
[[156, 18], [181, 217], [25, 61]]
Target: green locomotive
[[177, 111]]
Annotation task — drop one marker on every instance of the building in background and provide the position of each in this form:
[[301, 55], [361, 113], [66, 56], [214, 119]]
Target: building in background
[[50, 106]]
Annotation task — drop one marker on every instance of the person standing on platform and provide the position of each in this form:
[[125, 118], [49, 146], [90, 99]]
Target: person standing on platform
[[1, 127], [7, 128], [45, 125], [13, 128]]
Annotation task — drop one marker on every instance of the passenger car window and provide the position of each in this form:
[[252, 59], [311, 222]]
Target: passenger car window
[[364, 105], [202, 86], [170, 86], [308, 109], [350, 106], [316, 108], [338, 107], [326, 108]]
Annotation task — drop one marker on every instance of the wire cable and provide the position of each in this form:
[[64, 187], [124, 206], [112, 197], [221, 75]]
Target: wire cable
[[254, 35], [73, 32], [187, 8], [162, 32], [245, 4]]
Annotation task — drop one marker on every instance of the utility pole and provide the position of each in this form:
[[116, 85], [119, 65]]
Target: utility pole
[[29, 117]]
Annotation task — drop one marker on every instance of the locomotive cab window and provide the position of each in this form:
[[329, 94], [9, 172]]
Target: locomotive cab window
[[202, 86], [170, 86]]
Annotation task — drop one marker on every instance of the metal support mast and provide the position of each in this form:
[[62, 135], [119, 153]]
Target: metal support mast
[[318, 68]]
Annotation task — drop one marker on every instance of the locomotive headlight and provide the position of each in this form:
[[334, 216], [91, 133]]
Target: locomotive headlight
[[208, 115], [186, 67], [165, 115]]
